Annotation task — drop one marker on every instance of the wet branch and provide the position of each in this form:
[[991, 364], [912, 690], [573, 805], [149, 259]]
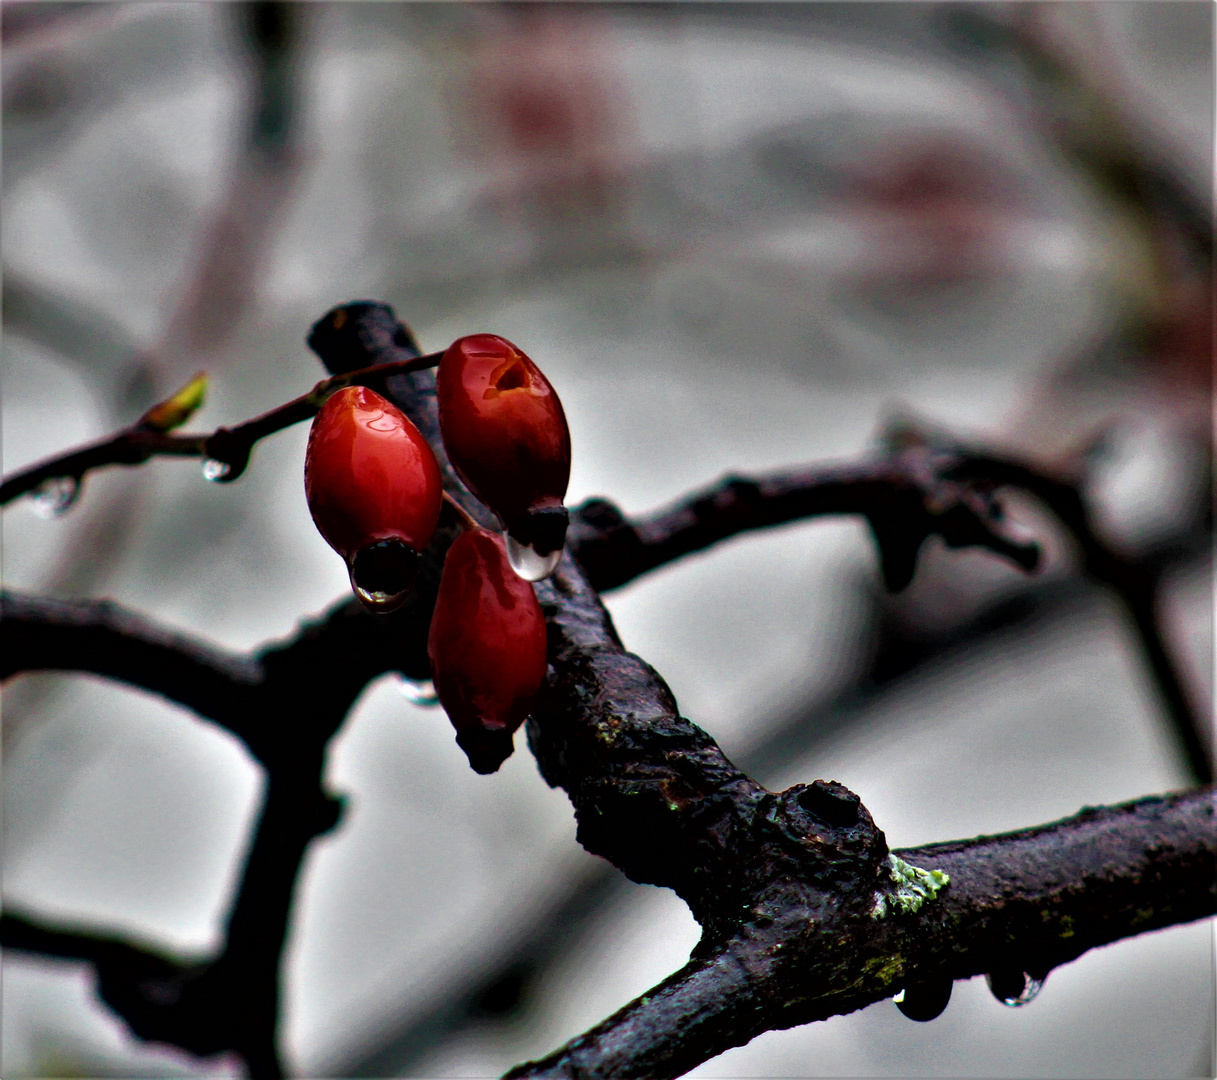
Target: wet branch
[[906, 497], [808, 947], [102, 638], [230, 447], [766, 874]]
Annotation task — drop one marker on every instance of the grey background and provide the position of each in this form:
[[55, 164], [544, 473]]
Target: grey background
[[703, 277]]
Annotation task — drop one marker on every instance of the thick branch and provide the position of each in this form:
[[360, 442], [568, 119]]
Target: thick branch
[[102, 638], [1024, 901], [767, 875], [1042, 896], [652, 792]]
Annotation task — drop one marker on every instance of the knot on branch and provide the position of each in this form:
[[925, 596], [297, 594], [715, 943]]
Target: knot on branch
[[935, 498], [358, 334], [815, 851], [825, 828]]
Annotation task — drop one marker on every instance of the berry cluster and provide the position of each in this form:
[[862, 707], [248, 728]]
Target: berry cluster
[[375, 491]]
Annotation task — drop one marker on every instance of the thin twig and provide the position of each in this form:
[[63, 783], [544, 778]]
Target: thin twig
[[1135, 581], [229, 446], [906, 497], [467, 519]]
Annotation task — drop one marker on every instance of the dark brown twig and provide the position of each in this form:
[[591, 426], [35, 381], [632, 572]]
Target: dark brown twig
[[102, 638], [808, 945], [906, 497], [230, 447], [1135, 581]]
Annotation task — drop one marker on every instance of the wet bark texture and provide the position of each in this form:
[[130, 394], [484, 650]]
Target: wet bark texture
[[802, 918]]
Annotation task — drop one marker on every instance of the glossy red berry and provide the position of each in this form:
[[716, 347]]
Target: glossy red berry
[[374, 490], [487, 647], [506, 435]]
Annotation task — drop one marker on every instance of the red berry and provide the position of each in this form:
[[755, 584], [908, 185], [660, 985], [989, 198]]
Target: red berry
[[374, 489], [487, 647], [506, 435]]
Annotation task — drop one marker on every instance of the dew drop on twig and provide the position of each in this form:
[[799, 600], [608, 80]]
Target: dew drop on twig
[[1005, 986], [52, 497], [418, 691], [527, 563], [214, 469]]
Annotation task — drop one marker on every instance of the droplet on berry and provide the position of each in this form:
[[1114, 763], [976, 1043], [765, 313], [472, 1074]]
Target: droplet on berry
[[374, 490], [530, 564]]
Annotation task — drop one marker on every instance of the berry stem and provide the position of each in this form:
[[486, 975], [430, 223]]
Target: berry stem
[[467, 519]]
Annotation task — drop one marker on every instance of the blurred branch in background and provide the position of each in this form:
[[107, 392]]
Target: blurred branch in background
[[41, 84], [236, 245]]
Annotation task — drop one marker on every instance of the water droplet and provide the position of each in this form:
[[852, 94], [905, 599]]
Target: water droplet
[[214, 469], [379, 602], [418, 691], [528, 563], [1013, 988], [52, 497], [927, 1000], [382, 574]]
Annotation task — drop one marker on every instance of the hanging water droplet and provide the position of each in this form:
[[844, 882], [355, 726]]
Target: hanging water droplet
[[528, 563], [214, 469], [382, 574], [418, 691], [52, 497], [927, 1000], [378, 601], [1013, 988]]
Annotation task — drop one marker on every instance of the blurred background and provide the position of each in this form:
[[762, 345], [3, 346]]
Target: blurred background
[[735, 237]]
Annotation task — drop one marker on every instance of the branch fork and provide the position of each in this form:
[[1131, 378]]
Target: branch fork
[[805, 911]]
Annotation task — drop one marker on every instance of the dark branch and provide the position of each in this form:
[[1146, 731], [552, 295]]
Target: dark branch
[[230, 447], [906, 497], [652, 792], [1023, 902], [767, 875], [102, 638], [1135, 581], [156, 994]]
